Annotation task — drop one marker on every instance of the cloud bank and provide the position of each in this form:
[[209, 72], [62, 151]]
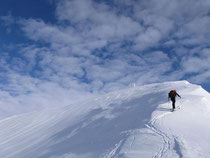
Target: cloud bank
[[101, 46]]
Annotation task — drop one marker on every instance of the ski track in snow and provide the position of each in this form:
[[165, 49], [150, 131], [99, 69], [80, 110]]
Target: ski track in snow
[[115, 152], [168, 142]]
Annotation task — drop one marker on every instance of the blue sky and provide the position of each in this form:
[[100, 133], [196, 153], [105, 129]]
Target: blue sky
[[54, 52]]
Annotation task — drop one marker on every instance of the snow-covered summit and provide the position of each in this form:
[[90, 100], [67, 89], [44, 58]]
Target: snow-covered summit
[[130, 123]]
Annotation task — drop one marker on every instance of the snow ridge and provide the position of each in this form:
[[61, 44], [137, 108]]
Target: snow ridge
[[131, 123]]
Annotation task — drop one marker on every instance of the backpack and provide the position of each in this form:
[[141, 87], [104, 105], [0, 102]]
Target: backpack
[[172, 94]]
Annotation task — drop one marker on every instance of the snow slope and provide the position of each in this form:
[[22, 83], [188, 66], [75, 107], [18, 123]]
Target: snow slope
[[132, 123]]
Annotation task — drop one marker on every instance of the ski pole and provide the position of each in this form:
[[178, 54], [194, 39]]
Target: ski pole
[[181, 102]]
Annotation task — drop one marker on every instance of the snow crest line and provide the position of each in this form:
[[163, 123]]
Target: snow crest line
[[166, 140]]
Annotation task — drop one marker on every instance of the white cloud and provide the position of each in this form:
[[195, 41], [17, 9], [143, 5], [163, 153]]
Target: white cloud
[[75, 11], [197, 64], [95, 47], [7, 21], [149, 39], [102, 73]]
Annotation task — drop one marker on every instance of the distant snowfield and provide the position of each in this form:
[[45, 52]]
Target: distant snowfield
[[132, 123]]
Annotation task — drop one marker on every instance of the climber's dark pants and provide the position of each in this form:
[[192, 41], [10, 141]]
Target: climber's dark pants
[[173, 103]]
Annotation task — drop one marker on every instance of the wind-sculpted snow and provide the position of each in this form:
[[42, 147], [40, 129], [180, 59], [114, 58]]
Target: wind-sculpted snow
[[131, 123]]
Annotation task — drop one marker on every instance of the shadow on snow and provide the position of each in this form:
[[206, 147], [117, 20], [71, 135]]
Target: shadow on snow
[[97, 136]]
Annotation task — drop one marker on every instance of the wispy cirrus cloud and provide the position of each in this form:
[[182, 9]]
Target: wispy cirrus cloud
[[7, 21]]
